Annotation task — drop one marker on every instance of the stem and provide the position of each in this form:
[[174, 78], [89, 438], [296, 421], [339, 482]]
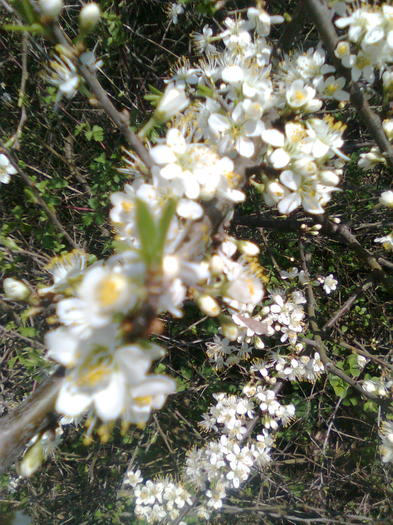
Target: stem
[[34, 414]]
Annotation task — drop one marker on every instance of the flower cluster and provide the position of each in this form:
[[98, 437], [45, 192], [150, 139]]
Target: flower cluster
[[227, 462], [304, 154], [159, 501], [244, 96], [291, 368], [104, 373], [371, 34], [193, 171]]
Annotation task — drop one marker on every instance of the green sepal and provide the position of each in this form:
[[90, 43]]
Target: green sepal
[[152, 233]]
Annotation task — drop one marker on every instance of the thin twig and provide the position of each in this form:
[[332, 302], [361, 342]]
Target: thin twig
[[51, 214], [318, 342]]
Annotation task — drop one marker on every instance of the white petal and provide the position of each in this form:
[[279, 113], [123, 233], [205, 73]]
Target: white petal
[[232, 74], [176, 141], [189, 209], [273, 137], [71, 402], [62, 346], [311, 205], [289, 203], [162, 154], [279, 158], [245, 147], [109, 402], [319, 149], [191, 187], [290, 179], [156, 386], [218, 123], [171, 171]]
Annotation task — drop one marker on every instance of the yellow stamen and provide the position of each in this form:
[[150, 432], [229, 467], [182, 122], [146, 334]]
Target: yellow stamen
[[110, 290], [143, 401]]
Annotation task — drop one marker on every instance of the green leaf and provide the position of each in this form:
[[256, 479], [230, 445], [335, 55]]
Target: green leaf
[[25, 9], [147, 230], [33, 28], [152, 235], [339, 386], [97, 133], [163, 225]]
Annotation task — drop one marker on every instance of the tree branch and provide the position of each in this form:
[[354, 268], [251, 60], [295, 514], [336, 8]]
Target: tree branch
[[322, 19], [33, 415]]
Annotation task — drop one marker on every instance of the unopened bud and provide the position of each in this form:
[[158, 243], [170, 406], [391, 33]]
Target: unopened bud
[[386, 199], [248, 248], [51, 8], [388, 128], [230, 331], [15, 289], [32, 460], [208, 305], [258, 343], [89, 17], [172, 102]]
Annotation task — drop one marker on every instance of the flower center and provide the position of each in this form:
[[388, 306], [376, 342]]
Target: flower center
[[110, 290]]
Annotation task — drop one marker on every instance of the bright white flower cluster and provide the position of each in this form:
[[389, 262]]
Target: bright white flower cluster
[[285, 315], [193, 171], [304, 154], [291, 368], [244, 95], [371, 34], [369, 47], [103, 372], [220, 465], [228, 462], [159, 501], [329, 283]]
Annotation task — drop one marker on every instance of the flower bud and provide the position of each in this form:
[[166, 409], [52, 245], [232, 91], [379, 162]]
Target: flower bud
[[386, 199], [51, 8], [248, 248], [258, 343], [387, 125], [229, 330], [89, 16], [15, 289], [32, 460], [172, 102], [208, 305]]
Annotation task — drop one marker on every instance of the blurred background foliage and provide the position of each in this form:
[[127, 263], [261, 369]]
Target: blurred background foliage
[[326, 460]]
